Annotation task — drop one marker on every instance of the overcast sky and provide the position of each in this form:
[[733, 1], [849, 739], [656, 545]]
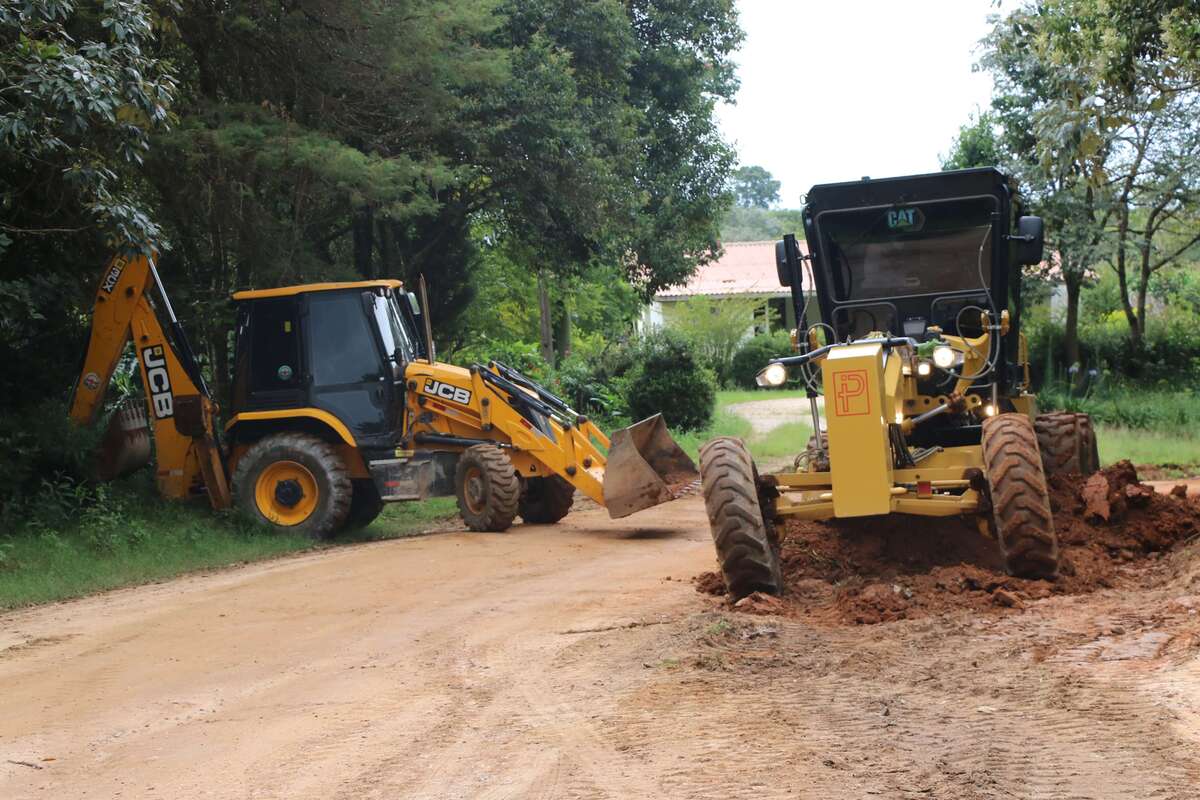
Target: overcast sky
[[833, 91]]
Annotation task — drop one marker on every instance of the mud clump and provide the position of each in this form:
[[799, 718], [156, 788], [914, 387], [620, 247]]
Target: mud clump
[[882, 569]]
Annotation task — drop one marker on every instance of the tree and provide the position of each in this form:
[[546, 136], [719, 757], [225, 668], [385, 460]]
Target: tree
[[976, 145], [82, 90], [755, 188]]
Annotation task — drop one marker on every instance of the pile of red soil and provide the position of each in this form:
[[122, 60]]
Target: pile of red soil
[[889, 568]]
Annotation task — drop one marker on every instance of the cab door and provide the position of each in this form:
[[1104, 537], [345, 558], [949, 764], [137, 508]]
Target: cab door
[[349, 375]]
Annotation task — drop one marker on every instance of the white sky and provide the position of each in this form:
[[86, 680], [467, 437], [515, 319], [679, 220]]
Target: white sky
[[833, 90]]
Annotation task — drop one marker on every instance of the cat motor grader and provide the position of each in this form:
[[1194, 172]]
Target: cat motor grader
[[924, 374], [339, 405]]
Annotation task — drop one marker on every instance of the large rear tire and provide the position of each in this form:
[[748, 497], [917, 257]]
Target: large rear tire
[[487, 488], [1020, 501], [746, 546], [1067, 442], [546, 500], [293, 482], [365, 505]]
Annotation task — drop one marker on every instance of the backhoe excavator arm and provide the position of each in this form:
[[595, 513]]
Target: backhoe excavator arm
[[178, 403]]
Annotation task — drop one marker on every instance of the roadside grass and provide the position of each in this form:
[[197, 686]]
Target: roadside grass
[[785, 441], [134, 537], [1178, 454]]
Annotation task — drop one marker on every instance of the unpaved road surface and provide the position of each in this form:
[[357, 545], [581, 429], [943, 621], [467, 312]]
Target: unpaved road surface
[[578, 661]]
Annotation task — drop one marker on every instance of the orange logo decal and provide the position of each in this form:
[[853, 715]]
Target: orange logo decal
[[850, 393]]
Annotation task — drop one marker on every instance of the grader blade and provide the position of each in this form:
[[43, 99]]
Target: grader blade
[[125, 446], [645, 467]]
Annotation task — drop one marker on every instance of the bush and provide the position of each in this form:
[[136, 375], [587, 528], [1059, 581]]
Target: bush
[[668, 378], [1169, 356], [754, 355], [38, 446], [525, 357], [1130, 407]]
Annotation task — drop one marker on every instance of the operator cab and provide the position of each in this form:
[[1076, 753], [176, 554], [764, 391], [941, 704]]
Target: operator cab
[[922, 257], [335, 347], [902, 255]]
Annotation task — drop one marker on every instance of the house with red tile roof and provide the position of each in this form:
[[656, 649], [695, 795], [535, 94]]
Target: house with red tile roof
[[745, 269]]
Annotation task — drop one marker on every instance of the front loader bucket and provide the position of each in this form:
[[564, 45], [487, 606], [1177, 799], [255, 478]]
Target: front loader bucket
[[126, 443], [645, 467]]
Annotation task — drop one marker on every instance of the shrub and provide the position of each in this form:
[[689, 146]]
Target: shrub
[[1169, 355], [754, 355], [40, 446], [668, 378], [525, 357]]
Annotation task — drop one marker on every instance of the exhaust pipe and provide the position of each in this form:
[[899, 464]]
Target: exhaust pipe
[[645, 467]]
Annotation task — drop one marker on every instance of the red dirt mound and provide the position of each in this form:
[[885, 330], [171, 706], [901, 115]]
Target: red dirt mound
[[889, 568]]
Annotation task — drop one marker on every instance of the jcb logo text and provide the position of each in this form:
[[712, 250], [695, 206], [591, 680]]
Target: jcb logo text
[[445, 391], [158, 381]]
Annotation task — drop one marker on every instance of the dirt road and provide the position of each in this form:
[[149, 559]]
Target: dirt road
[[579, 662]]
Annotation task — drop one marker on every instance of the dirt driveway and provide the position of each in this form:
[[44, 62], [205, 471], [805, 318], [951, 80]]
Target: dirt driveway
[[580, 662]]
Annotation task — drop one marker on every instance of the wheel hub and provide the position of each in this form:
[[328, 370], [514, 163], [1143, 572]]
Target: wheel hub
[[288, 493]]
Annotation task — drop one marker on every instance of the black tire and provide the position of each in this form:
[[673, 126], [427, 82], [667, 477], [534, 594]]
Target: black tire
[[487, 488], [365, 505], [1091, 447], [315, 461], [1020, 502], [1059, 442], [546, 500], [746, 547]]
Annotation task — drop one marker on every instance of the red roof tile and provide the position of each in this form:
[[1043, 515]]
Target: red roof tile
[[746, 268]]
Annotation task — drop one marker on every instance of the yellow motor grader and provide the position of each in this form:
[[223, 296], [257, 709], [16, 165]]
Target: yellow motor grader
[[340, 405], [925, 377]]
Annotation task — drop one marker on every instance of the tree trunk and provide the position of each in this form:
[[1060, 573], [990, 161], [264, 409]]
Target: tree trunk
[[364, 242], [1074, 283], [562, 334], [545, 328]]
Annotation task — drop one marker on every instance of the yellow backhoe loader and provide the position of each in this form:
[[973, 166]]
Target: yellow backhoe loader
[[924, 372], [339, 405]]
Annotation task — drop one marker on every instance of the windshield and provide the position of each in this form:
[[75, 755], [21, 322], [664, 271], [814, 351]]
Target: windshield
[[913, 249], [392, 328]]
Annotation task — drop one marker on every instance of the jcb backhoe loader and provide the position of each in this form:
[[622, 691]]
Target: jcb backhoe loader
[[924, 372], [339, 405]]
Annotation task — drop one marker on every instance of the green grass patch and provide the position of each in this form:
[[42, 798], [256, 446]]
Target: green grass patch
[[127, 535], [1179, 453], [783, 442], [1132, 408]]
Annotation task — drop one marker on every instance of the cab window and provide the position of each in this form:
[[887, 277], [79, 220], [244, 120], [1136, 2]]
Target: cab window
[[341, 345]]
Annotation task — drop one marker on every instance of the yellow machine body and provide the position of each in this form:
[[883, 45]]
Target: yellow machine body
[[868, 389], [446, 409]]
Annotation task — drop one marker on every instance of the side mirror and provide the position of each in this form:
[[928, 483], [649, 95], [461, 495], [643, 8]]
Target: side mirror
[[413, 303], [781, 265], [1031, 240], [787, 254]]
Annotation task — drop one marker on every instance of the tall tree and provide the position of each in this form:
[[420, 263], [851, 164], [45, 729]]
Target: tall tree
[[754, 187]]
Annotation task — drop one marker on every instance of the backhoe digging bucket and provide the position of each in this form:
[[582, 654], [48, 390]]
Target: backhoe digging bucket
[[645, 467], [126, 443]]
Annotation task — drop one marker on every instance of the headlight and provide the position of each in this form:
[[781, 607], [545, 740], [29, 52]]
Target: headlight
[[923, 368], [771, 375], [944, 356]]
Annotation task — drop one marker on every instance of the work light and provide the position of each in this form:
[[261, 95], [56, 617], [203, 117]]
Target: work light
[[944, 356], [771, 375]]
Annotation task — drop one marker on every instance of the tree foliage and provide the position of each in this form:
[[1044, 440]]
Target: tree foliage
[[259, 144], [754, 187], [1097, 105]]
